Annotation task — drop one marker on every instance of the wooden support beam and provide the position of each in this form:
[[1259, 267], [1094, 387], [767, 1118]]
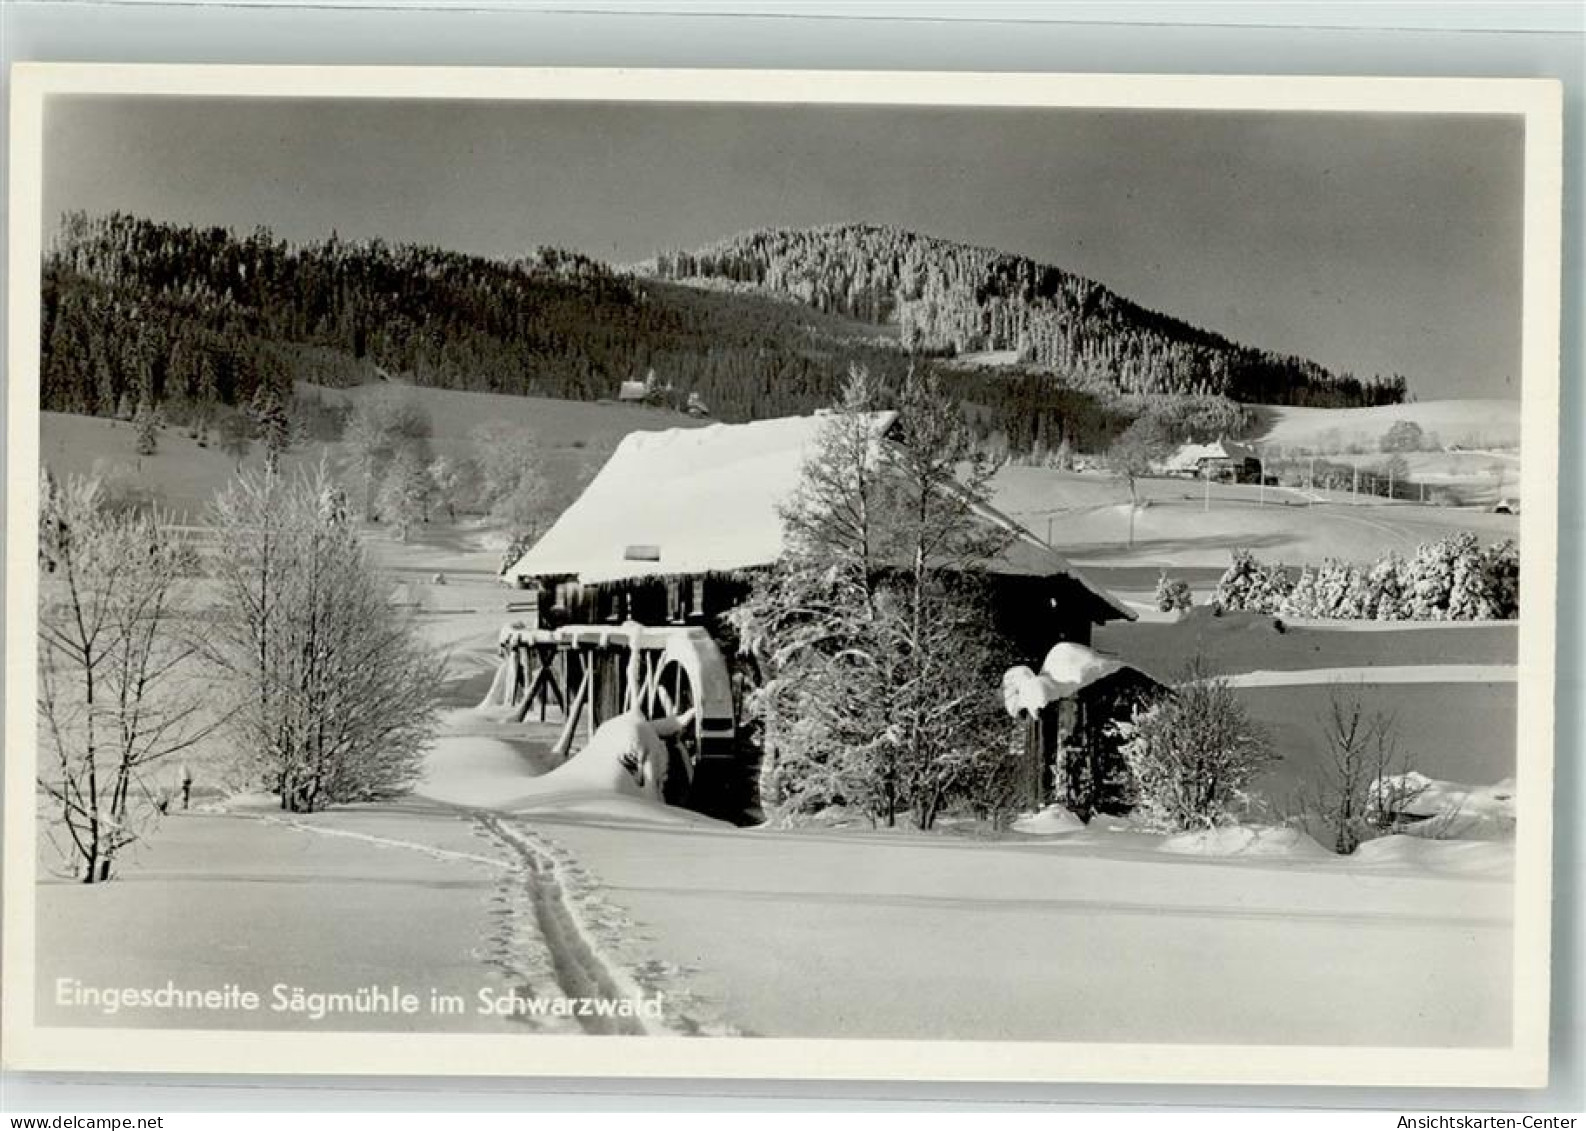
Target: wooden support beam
[[564, 742]]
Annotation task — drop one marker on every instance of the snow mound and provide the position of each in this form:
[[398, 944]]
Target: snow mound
[[1464, 857], [601, 806], [1025, 693], [1446, 810], [1054, 820], [626, 756], [1245, 840]]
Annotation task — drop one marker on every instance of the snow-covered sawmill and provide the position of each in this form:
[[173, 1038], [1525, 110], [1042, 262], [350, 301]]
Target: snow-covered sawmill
[[629, 589]]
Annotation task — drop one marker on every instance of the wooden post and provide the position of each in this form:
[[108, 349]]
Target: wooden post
[[564, 742]]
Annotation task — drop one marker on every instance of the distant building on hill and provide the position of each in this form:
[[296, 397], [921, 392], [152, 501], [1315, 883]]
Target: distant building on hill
[[632, 392], [1223, 459]]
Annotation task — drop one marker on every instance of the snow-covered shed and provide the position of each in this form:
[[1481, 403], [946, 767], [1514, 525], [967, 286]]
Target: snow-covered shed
[[1065, 716], [675, 524]]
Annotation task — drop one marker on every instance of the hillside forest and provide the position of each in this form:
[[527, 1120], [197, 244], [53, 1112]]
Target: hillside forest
[[199, 322]]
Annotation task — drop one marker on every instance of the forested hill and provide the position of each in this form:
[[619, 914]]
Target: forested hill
[[954, 299], [192, 320], [135, 310]]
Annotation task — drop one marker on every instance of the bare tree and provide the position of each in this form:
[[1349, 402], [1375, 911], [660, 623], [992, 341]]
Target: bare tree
[[1361, 793], [117, 660], [1133, 454], [335, 692]]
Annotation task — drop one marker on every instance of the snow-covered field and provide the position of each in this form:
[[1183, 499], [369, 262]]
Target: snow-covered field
[[1491, 423], [495, 875], [1182, 524]]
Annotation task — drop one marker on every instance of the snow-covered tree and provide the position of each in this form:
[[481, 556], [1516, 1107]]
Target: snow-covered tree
[[814, 624], [1304, 600], [272, 424], [1403, 436], [1173, 594], [1193, 754], [118, 692], [1134, 453], [1252, 586], [513, 484], [1470, 594], [456, 483], [946, 702], [882, 677], [146, 425], [381, 426], [333, 690], [1429, 576], [406, 493], [1385, 589], [1502, 566], [236, 438]]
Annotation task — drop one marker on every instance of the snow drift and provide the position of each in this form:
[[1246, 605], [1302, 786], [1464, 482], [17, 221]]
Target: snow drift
[[627, 755], [1448, 810], [1053, 820], [1245, 840]]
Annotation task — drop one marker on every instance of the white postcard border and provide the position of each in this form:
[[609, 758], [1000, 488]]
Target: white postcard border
[[25, 1045]]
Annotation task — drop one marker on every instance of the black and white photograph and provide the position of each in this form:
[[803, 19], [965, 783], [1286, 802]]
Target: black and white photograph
[[881, 575]]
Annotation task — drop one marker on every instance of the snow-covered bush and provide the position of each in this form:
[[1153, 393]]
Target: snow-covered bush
[[1304, 599], [1334, 590], [1193, 754], [1252, 586], [1429, 581], [1447, 580], [1237, 582], [1502, 566], [1173, 594], [1384, 589], [1451, 579]]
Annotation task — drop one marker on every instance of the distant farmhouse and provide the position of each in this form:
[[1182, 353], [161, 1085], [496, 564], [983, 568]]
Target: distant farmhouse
[[667, 538], [649, 391], [1224, 459]]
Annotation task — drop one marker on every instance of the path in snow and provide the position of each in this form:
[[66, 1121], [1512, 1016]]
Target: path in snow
[[833, 935]]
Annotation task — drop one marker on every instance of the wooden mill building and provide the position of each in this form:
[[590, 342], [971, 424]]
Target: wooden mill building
[[666, 539]]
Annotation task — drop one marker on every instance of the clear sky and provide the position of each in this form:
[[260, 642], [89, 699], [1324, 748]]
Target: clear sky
[[1375, 243]]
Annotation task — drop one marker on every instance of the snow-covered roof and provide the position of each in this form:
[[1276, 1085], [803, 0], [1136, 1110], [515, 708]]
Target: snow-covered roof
[[1075, 667], [704, 500], [1067, 670]]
